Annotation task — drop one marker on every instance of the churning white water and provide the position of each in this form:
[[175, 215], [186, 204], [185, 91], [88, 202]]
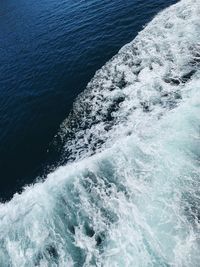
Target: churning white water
[[131, 195]]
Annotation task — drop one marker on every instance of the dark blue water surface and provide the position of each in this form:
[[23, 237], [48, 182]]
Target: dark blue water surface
[[49, 50]]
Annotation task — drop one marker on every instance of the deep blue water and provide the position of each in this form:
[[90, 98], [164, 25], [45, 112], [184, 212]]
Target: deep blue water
[[49, 50], [123, 157]]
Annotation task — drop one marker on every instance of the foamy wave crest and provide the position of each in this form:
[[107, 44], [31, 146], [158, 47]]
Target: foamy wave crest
[[136, 202], [146, 76]]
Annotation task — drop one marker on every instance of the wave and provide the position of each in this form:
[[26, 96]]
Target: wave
[[148, 75], [130, 195]]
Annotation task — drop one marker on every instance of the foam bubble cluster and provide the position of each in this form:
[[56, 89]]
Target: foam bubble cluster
[[148, 75], [135, 201]]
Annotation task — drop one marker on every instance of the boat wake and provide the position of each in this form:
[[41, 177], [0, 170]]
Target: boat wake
[[129, 194]]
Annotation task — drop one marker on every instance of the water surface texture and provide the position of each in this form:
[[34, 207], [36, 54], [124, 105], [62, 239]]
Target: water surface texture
[[129, 194], [49, 51]]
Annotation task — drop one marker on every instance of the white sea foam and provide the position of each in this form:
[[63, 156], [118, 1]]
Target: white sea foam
[[147, 75], [136, 202]]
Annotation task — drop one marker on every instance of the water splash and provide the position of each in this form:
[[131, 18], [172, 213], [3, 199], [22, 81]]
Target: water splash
[[136, 202], [146, 76]]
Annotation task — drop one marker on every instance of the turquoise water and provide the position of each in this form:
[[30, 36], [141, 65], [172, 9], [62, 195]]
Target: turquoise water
[[129, 194]]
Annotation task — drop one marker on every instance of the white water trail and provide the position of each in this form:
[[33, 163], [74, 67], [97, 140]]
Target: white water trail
[[146, 76], [136, 202]]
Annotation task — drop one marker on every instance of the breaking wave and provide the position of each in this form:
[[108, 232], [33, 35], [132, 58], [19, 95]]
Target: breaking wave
[[129, 194], [148, 75]]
